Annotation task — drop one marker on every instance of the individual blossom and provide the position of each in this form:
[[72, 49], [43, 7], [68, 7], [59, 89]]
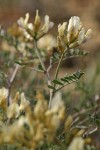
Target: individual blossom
[[74, 27], [24, 103], [3, 97], [24, 22], [26, 26], [47, 25], [68, 123], [37, 21], [3, 93], [61, 28], [57, 101], [40, 107], [77, 144], [35, 30], [57, 112], [61, 44], [13, 111], [72, 34]]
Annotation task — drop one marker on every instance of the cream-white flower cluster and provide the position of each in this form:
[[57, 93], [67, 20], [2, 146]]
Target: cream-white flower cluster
[[72, 34], [28, 125], [35, 29]]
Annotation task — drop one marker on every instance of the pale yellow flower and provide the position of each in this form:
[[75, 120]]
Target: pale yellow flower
[[73, 27], [62, 28], [24, 103], [37, 21], [34, 30], [3, 97], [77, 144], [13, 111], [73, 34], [47, 25], [23, 22]]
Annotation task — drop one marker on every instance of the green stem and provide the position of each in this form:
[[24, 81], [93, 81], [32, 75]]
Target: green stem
[[56, 75], [45, 71], [58, 67], [36, 50]]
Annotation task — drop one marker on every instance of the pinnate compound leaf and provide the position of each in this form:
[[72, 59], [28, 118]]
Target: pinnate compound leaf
[[68, 79], [74, 77]]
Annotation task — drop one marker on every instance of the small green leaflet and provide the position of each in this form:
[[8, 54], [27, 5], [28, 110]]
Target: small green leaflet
[[67, 79], [40, 67], [51, 87], [56, 81], [77, 52], [70, 54]]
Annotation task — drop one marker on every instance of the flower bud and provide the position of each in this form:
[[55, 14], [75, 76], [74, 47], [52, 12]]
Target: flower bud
[[81, 36], [3, 97], [37, 21], [77, 144], [73, 27], [88, 34], [48, 25], [62, 28], [60, 45]]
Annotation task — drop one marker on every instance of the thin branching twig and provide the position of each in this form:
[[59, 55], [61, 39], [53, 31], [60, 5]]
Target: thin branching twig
[[10, 83]]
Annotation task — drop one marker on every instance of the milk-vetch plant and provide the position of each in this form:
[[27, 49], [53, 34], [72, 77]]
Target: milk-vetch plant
[[69, 36], [37, 125]]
